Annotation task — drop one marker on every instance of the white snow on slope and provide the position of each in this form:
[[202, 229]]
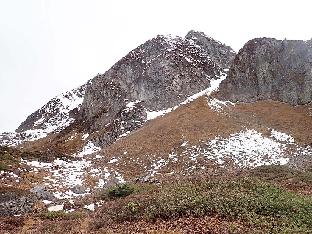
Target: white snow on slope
[[244, 149], [89, 148], [247, 148], [214, 85], [62, 176], [62, 173], [218, 105], [131, 105], [280, 136], [13, 138], [54, 118], [56, 208], [55, 114]]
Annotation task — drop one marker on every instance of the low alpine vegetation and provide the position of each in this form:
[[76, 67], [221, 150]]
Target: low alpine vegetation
[[258, 204]]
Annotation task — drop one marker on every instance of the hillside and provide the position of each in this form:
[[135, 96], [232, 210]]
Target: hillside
[[180, 136]]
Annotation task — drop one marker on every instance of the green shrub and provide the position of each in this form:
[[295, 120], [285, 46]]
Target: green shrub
[[256, 203], [54, 215], [120, 190], [3, 167]]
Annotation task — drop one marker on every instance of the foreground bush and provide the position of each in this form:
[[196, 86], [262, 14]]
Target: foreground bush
[[261, 205], [119, 190]]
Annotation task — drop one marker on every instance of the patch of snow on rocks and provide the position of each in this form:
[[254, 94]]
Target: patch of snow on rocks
[[61, 174], [280, 136], [247, 149], [89, 148], [85, 136], [56, 208], [218, 105], [113, 160], [90, 207], [131, 105], [54, 118], [154, 114], [214, 85]]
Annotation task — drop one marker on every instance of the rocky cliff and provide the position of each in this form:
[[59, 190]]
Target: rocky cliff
[[159, 74], [220, 53], [267, 68]]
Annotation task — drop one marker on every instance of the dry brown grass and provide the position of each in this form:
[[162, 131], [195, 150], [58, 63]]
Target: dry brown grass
[[196, 122], [294, 120]]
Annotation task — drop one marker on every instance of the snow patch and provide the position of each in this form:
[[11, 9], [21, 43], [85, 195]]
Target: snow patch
[[280, 136], [89, 148], [214, 85], [54, 118], [246, 149], [218, 105], [85, 136], [90, 207], [113, 160], [56, 208], [61, 174]]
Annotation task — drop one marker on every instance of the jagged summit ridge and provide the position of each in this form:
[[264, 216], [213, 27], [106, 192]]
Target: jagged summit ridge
[[220, 53], [266, 68], [157, 75]]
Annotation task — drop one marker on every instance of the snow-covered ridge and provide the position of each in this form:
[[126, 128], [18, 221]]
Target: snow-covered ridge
[[52, 117]]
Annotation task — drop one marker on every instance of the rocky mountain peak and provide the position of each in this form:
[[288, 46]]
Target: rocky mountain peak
[[220, 53], [159, 74], [266, 68]]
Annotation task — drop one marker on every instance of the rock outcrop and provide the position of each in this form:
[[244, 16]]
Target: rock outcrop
[[159, 74], [267, 68], [57, 114], [220, 53], [15, 202]]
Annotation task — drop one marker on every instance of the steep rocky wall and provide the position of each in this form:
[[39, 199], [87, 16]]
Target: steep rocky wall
[[267, 68], [159, 74]]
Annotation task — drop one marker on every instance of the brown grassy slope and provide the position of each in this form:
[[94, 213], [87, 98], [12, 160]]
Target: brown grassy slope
[[196, 122], [192, 122], [294, 120], [57, 145]]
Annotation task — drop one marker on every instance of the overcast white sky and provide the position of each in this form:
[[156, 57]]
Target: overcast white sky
[[51, 46]]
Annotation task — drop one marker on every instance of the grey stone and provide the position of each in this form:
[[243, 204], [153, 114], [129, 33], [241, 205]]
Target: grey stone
[[267, 68], [79, 189], [16, 202], [159, 74], [41, 192]]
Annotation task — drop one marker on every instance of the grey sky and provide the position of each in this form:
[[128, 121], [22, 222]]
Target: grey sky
[[50, 46]]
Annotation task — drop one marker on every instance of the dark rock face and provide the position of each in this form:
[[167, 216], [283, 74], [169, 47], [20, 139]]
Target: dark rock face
[[220, 53], [15, 202], [157, 75], [267, 68]]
